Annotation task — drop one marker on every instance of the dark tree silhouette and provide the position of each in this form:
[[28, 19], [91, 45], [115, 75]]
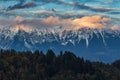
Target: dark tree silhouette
[[37, 65]]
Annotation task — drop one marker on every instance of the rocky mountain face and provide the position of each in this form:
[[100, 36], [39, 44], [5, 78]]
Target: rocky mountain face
[[93, 44]]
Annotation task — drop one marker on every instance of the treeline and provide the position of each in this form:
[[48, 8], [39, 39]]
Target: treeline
[[47, 66]]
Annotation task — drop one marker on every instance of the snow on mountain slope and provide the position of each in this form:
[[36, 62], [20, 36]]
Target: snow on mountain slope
[[85, 38]]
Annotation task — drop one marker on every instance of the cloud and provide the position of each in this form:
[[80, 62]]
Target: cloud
[[20, 5], [29, 4], [55, 21], [86, 7], [78, 23], [19, 19], [52, 22], [90, 22], [7, 23], [47, 1], [115, 27], [104, 9], [115, 13]]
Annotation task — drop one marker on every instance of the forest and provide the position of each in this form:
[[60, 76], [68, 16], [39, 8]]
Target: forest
[[66, 65]]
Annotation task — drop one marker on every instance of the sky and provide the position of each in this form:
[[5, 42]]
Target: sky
[[59, 14]]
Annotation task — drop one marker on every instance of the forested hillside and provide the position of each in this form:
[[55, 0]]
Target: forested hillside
[[48, 66]]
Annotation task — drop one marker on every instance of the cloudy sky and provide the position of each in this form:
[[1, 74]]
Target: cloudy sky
[[59, 14]]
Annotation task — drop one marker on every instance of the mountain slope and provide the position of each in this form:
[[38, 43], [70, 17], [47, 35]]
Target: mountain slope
[[94, 44]]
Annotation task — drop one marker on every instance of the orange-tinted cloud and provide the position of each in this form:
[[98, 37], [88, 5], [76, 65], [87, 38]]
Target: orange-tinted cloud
[[56, 21], [51, 22], [18, 19], [90, 22], [115, 27], [78, 23]]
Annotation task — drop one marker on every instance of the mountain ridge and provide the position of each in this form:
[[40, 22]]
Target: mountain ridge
[[85, 42]]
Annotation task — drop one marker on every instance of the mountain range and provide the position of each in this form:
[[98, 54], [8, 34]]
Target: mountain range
[[93, 44]]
